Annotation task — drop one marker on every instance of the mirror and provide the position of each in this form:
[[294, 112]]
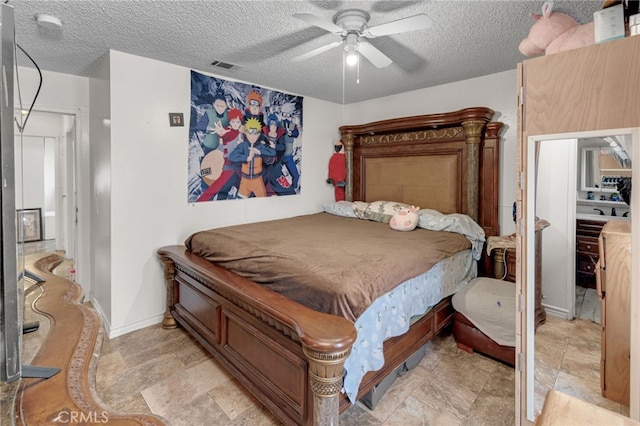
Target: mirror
[[603, 161], [554, 194]]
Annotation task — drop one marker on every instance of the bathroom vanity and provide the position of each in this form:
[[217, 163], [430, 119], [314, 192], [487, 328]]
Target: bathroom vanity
[[604, 162]]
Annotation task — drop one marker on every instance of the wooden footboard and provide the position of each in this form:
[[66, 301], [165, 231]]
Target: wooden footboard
[[287, 355]]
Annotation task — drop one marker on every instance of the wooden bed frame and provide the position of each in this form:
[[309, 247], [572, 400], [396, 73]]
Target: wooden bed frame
[[290, 357]]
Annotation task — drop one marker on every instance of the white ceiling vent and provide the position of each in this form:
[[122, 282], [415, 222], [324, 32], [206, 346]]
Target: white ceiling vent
[[225, 65]]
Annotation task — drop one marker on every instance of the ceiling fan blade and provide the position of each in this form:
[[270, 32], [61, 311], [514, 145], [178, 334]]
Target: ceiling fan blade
[[390, 6], [412, 23], [312, 19], [376, 57], [317, 51]]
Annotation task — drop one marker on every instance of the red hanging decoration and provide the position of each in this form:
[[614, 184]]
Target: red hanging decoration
[[338, 171]]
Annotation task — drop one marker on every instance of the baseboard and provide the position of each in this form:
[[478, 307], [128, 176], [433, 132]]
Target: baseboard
[[96, 306], [128, 328], [113, 332], [557, 312]]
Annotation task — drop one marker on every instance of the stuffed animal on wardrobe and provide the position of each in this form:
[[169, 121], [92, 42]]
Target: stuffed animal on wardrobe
[[556, 30]]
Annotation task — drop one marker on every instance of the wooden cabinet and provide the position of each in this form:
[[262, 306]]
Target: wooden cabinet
[[510, 261], [510, 265], [505, 268], [613, 287], [587, 252]]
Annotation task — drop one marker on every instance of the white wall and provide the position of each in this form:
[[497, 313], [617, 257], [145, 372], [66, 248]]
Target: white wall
[[496, 91], [148, 177], [49, 176], [29, 171], [49, 205], [555, 202], [100, 190]]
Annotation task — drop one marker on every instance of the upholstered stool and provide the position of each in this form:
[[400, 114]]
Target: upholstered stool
[[485, 318]]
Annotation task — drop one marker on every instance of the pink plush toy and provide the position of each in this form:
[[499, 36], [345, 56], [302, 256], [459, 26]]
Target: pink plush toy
[[555, 31], [405, 219]]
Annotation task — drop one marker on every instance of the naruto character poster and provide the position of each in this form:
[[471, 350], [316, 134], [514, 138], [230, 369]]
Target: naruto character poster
[[244, 141]]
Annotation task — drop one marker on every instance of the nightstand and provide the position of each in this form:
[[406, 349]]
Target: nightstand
[[503, 250]]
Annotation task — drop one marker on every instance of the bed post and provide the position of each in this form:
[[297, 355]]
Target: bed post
[[473, 133], [347, 141], [169, 272], [490, 188], [325, 378]]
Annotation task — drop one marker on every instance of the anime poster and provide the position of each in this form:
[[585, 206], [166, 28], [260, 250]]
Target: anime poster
[[244, 141]]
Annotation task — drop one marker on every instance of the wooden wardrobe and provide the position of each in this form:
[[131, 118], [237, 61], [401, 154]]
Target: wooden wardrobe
[[592, 88]]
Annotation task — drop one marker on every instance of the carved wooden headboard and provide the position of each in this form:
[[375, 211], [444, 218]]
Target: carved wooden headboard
[[448, 162]]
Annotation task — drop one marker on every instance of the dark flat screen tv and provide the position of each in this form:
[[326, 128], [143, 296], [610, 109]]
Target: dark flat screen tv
[[10, 312]]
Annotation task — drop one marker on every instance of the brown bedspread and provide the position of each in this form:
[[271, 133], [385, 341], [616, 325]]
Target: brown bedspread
[[328, 263]]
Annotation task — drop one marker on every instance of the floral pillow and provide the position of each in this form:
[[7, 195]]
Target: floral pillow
[[340, 208], [379, 211]]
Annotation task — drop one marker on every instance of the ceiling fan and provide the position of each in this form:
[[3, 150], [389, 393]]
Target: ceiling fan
[[351, 26]]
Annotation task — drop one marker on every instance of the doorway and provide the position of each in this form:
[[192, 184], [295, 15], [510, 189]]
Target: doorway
[[45, 171], [542, 195]]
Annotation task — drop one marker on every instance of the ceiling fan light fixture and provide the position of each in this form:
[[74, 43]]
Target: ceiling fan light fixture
[[351, 47], [352, 58]]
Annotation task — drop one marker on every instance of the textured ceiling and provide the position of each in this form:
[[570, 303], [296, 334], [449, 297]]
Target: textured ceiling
[[468, 39]]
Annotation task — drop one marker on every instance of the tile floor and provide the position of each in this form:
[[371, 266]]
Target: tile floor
[[568, 355], [587, 304], [167, 373]]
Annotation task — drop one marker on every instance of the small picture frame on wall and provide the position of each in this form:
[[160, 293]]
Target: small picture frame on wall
[[29, 225], [176, 119]]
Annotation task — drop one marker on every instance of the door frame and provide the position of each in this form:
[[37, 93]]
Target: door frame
[[525, 276], [66, 166]]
